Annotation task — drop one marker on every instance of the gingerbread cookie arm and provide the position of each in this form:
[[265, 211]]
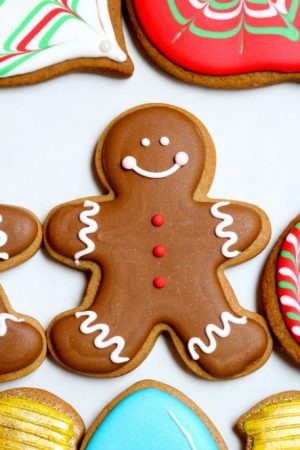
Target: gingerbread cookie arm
[[71, 230], [240, 227]]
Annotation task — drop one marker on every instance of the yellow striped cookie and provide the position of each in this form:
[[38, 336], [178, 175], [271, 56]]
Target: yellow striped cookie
[[35, 419], [274, 423]]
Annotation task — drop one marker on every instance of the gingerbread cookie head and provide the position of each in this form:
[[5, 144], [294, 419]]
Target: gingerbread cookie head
[[157, 246], [22, 340], [155, 148], [281, 289]]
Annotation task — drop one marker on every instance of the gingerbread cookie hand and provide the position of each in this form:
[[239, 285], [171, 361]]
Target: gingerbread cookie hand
[[20, 238], [158, 247]]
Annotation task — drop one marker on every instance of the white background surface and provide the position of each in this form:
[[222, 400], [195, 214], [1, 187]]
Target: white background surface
[[48, 133]]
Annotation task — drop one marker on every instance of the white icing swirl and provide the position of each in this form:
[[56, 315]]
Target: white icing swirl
[[3, 241], [211, 329], [231, 236], [101, 340], [91, 227]]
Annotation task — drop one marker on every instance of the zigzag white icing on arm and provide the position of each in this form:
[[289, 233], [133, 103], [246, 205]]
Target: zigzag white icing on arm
[[92, 227], [231, 236], [3, 318], [212, 329], [3, 240], [101, 340]]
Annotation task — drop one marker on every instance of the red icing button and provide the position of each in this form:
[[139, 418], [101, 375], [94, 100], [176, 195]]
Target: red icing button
[[157, 220], [159, 251], [159, 282]]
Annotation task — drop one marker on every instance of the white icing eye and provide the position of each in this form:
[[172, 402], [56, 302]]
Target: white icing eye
[[164, 140], [145, 142], [181, 158], [128, 163]]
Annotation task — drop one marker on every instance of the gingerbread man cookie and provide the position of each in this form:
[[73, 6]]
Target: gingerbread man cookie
[[157, 247], [22, 340], [41, 39]]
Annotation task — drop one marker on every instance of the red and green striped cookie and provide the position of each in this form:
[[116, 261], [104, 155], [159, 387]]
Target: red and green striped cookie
[[221, 43], [281, 289], [40, 39]]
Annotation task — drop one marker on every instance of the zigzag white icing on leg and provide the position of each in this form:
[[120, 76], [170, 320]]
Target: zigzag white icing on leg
[[100, 341], [227, 220], [3, 318], [91, 227], [211, 329]]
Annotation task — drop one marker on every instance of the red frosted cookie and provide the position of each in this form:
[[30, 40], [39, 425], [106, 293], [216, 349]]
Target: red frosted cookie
[[40, 39], [22, 340], [156, 248], [221, 43], [281, 289]]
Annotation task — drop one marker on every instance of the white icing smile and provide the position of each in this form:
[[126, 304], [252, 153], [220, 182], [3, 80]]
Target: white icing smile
[[130, 163]]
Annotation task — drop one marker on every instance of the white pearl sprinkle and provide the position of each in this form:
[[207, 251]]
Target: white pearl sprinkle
[[145, 142], [105, 46], [164, 140]]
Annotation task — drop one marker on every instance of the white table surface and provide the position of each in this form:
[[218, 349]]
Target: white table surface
[[48, 133]]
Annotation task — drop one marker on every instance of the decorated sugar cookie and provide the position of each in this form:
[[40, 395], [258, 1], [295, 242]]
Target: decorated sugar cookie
[[221, 43], [281, 289], [151, 415], [35, 419], [22, 340], [40, 39], [156, 247], [273, 424]]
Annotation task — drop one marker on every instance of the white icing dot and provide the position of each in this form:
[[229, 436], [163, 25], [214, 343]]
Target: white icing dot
[[129, 162], [105, 46], [164, 140], [145, 142], [181, 158]]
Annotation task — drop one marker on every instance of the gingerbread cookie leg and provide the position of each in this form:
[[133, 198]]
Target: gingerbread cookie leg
[[22, 340]]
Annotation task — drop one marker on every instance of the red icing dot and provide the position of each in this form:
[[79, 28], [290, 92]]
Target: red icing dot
[[159, 282], [159, 251], [157, 220]]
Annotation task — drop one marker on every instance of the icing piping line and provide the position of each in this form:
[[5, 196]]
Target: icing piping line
[[3, 318], [91, 227], [130, 163], [224, 332], [183, 430], [99, 341], [231, 236], [3, 240]]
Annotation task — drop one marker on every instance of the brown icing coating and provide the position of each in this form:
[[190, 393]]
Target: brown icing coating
[[22, 341], [195, 292]]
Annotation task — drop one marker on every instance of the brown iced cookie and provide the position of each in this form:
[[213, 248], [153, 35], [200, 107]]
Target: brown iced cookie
[[273, 424], [43, 39], [22, 340], [156, 248], [34, 418], [221, 44], [281, 289], [164, 419]]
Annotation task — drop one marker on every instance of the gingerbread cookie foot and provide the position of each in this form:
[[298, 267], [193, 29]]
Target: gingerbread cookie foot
[[156, 247], [22, 339]]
